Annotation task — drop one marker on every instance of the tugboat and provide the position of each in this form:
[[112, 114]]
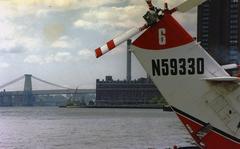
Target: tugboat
[[72, 102]]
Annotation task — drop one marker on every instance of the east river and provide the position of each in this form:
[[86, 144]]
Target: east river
[[80, 128]]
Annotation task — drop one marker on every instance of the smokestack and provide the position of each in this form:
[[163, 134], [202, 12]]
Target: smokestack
[[129, 42]]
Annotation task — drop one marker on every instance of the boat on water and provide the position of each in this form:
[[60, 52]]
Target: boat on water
[[73, 103]]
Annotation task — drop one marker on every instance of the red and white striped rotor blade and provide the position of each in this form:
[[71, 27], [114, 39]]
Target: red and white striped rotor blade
[[150, 5], [188, 4], [118, 40]]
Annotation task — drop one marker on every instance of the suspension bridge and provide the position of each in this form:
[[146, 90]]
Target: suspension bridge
[[30, 97]]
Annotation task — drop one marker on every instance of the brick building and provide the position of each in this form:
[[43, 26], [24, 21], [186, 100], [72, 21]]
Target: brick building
[[134, 92]]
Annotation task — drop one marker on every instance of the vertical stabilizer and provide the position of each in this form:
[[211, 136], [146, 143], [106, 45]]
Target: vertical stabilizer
[[177, 64]]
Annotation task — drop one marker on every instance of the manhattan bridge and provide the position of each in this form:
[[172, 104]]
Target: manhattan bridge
[[29, 96]]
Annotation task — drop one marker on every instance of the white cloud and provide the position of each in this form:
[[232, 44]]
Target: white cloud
[[115, 17], [7, 29], [157, 3], [83, 24], [85, 54], [119, 17], [18, 44], [34, 59], [6, 46], [29, 43], [62, 43], [42, 3], [52, 31], [98, 3], [13, 36], [43, 12], [62, 4], [59, 57], [57, 4], [4, 65], [188, 21]]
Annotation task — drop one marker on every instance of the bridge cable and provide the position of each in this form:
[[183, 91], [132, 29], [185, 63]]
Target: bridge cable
[[49, 83], [12, 82]]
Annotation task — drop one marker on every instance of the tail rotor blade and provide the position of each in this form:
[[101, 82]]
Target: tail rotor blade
[[118, 40], [150, 5], [188, 4]]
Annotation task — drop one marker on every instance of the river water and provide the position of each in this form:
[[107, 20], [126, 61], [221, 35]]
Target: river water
[[80, 128]]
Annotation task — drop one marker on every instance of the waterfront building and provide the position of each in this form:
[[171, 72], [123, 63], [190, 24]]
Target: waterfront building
[[133, 92]]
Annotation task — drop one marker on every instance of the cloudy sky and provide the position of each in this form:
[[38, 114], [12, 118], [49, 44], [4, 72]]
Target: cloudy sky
[[55, 39]]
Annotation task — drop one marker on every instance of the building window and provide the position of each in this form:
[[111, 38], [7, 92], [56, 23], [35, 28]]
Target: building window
[[233, 21], [233, 26], [234, 16], [234, 1]]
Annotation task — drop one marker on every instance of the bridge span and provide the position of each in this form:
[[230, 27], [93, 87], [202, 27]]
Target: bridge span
[[54, 92], [28, 96]]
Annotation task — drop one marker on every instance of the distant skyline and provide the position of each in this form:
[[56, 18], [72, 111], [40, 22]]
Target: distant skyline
[[55, 39]]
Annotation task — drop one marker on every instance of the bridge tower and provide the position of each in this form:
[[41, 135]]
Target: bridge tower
[[28, 82], [28, 96]]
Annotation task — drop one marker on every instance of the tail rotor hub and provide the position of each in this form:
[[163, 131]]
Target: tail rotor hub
[[153, 15]]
